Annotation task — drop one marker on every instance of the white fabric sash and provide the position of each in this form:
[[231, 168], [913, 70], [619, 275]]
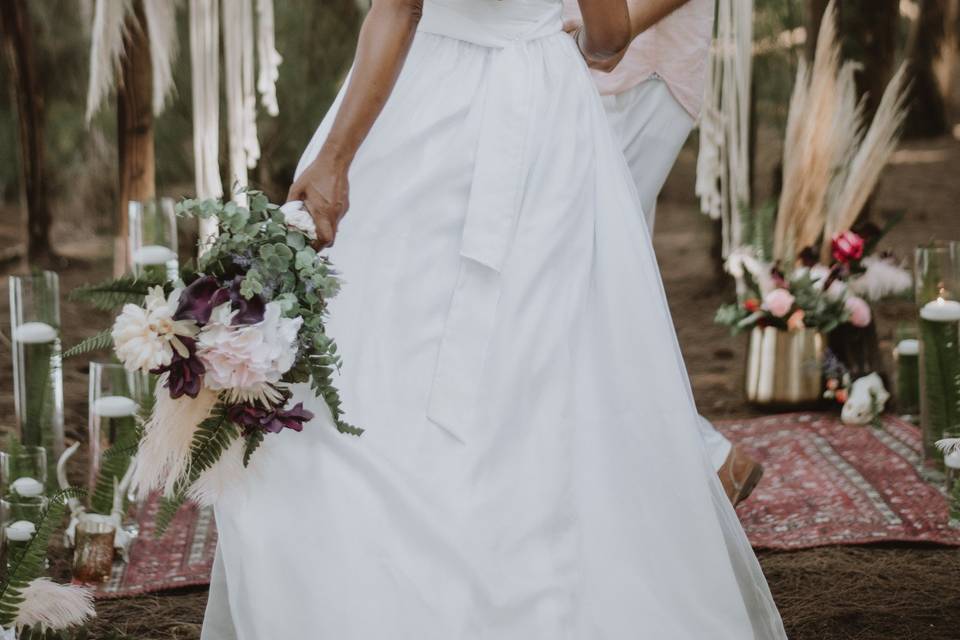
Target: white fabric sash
[[496, 193]]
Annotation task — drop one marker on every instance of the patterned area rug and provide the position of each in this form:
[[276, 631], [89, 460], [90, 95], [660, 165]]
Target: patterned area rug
[[828, 483], [825, 483], [183, 557]]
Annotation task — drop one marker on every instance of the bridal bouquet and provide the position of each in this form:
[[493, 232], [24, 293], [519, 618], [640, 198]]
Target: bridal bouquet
[[226, 340]]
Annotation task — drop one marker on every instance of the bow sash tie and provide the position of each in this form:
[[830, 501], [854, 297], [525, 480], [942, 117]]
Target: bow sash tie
[[494, 203]]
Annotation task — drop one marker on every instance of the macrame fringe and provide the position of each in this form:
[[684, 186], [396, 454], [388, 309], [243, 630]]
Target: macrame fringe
[[106, 47], [161, 17]]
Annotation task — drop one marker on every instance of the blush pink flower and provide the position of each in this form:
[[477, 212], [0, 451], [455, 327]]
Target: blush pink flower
[[859, 309], [778, 302]]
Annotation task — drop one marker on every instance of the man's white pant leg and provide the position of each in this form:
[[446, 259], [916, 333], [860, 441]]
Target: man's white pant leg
[[652, 127]]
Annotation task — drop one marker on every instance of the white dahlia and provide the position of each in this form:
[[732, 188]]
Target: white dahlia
[[146, 337], [247, 360]]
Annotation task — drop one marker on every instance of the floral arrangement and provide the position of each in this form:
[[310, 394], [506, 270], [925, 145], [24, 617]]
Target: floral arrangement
[[810, 294], [226, 340]]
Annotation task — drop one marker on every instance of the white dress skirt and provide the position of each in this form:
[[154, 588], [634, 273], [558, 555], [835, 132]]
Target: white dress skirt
[[531, 467]]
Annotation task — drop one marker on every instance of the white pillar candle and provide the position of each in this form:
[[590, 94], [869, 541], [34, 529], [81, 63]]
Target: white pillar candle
[[952, 459], [27, 487], [114, 407], [34, 333], [21, 531], [153, 254], [908, 347], [941, 310]]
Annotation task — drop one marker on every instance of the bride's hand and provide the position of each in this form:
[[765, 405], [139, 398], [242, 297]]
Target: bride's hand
[[325, 192]]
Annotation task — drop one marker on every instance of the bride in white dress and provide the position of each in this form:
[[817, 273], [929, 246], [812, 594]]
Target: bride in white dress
[[531, 467]]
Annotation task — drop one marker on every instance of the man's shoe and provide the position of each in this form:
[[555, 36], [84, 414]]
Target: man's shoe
[[739, 475]]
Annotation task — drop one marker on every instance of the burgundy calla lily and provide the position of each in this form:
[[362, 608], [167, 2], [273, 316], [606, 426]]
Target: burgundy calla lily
[[199, 299], [185, 374], [275, 420]]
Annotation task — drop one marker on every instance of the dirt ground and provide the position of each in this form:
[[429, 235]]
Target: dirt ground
[[888, 592]]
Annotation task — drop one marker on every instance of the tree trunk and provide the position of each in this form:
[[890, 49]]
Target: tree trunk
[[928, 108], [815, 11], [135, 142], [869, 31], [18, 43]]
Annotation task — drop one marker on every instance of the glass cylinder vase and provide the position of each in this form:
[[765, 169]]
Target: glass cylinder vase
[[22, 465], [37, 373], [112, 421], [153, 238], [937, 274], [906, 359]]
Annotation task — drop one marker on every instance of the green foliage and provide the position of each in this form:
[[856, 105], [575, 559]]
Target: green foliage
[[29, 562], [757, 228], [114, 464], [941, 362], [254, 438], [98, 342], [113, 294], [212, 438]]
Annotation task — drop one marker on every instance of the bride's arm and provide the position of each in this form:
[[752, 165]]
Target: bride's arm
[[606, 30], [382, 49]]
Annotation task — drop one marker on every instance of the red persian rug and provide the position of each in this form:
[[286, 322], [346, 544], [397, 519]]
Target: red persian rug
[[183, 557], [828, 483], [825, 483]]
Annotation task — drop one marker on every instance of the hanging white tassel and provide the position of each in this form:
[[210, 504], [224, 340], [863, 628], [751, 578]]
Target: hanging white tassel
[[205, 83], [161, 18], [723, 166], [106, 47], [235, 16], [267, 58], [48, 605], [164, 454]]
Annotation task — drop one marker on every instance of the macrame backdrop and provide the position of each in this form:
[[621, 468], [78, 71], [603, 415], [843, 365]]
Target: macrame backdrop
[[723, 166], [246, 29]]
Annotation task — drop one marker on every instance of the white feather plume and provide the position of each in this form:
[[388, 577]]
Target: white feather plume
[[948, 445], [106, 47], [225, 473], [883, 277], [161, 17], [49, 605], [164, 454]]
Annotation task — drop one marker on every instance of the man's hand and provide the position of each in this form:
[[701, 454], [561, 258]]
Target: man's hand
[[325, 192]]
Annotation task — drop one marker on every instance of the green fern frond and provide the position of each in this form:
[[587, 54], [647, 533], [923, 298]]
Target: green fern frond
[[113, 294], [98, 342], [321, 381], [29, 563], [166, 512], [254, 440], [114, 464]]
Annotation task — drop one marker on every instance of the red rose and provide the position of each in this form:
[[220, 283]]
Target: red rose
[[751, 304], [847, 246]]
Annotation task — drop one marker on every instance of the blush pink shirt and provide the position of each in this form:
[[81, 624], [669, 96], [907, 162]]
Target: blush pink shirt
[[676, 49]]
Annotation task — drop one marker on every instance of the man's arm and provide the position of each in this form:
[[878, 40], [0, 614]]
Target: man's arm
[[646, 13]]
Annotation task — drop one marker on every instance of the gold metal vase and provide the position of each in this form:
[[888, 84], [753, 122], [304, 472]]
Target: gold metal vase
[[785, 367]]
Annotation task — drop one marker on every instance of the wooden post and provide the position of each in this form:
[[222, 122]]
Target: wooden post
[[928, 106], [869, 31], [135, 143], [18, 44]]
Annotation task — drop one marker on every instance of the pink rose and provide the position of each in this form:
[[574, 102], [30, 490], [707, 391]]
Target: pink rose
[[847, 246], [778, 302], [860, 314]]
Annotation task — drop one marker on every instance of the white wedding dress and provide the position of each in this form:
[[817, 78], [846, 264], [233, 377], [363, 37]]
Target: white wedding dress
[[531, 467]]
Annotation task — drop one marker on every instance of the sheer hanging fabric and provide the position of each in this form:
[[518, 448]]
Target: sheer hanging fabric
[[531, 468]]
